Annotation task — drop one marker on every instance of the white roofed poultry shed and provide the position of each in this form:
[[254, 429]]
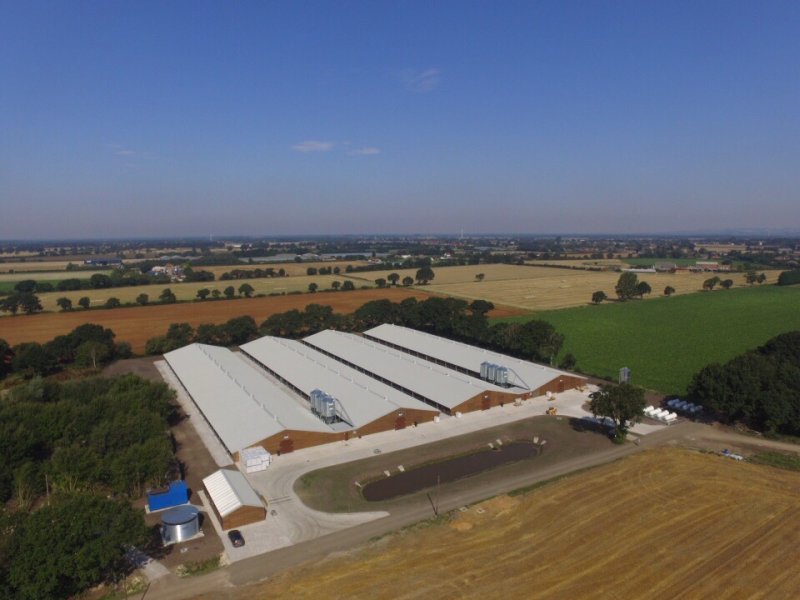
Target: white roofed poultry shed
[[436, 385], [522, 374]]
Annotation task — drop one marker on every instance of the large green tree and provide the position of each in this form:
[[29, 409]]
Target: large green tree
[[64, 304], [626, 287], [623, 404], [598, 297], [424, 275], [71, 545]]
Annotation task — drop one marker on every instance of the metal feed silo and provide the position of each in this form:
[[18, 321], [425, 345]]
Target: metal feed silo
[[329, 408], [502, 376], [179, 524], [484, 370]]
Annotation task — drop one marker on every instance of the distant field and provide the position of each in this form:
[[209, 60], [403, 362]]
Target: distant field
[[293, 268], [649, 262], [542, 288], [579, 262], [48, 276], [188, 291], [138, 324], [661, 524], [30, 265], [665, 341]]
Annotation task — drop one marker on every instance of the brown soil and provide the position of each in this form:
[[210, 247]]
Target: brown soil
[[138, 324]]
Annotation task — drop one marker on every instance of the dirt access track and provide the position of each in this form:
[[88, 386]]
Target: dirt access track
[[136, 325]]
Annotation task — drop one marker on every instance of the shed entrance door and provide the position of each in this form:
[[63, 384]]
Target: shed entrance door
[[287, 446], [400, 423], [486, 404]]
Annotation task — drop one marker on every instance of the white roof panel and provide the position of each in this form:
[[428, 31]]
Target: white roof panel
[[523, 374], [229, 491], [444, 386], [239, 402], [361, 398]]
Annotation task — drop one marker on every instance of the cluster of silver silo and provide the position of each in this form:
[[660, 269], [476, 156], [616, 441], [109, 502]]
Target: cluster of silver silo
[[323, 405], [494, 373]]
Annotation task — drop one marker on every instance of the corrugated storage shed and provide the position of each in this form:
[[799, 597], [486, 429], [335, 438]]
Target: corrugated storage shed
[[235, 503]]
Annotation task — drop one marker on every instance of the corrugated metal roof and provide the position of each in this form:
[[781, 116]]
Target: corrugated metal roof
[[363, 399], [444, 386], [229, 491], [525, 374], [239, 402]]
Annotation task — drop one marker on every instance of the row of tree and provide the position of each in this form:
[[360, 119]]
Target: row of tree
[[232, 333], [86, 346], [255, 273], [789, 277], [628, 286], [27, 302], [760, 387], [449, 317]]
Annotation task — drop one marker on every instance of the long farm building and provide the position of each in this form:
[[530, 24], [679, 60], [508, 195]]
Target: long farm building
[[285, 395]]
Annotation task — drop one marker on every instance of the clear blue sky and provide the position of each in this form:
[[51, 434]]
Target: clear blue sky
[[269, 118]]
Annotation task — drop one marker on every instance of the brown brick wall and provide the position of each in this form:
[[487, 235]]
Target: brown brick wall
[[389, 422], [485, 400]]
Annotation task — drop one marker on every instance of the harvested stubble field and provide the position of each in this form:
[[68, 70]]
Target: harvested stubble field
[[188, 291], [662, 524], [542, 288], [138, 324]]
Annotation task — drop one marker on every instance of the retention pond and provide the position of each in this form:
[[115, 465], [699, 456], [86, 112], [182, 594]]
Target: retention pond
[[451, 469]]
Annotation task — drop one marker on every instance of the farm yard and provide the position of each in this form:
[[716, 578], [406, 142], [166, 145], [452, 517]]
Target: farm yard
[[666, 340], [543, 288], [664, 523], [136, 325]]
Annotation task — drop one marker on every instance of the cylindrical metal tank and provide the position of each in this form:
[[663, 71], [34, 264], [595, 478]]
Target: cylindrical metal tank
[[502, 376], [484, 370], [315, 395], [179, 524], [329, 408]]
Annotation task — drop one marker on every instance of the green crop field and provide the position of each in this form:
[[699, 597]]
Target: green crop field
[[664, 341]]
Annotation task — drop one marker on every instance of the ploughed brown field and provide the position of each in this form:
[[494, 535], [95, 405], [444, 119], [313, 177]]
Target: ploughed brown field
[[136, 325], [666, 523]]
